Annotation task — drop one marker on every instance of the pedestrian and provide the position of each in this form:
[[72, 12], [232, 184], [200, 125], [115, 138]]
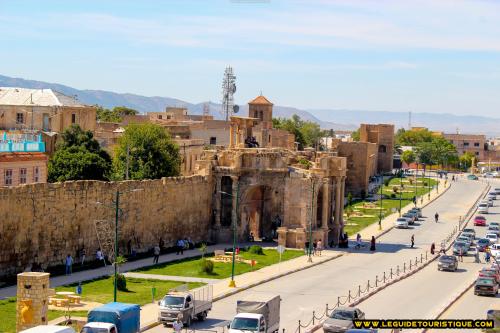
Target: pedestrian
[[83, 252], [180, 247], [177, 324], [461, 254], [315, 245], [436, 217], [412, 241], [319, 247], [306, 248], [487, 255], [161, 243], [156, 252], [69, 263], [433, 248], [358, 241], [99, 256], [372, 244]]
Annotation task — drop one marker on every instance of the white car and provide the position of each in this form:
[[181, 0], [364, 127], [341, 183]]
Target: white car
[[402, 222], [496, 190], [493, 238], [482, 208], [492, 195], [493, 229], [495, 250], [488, 202]]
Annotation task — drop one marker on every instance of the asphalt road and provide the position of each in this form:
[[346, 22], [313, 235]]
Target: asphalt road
[[425, 294], [311, 289]]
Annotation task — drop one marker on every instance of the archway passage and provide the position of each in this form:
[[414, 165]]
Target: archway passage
[[256, 212], [319, 209]]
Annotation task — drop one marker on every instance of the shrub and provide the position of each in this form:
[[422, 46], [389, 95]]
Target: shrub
[[305, 163], [387, 181], [255, 249], [395, 189], [121, 282], [207, 266], [393, 195], [426, 184]]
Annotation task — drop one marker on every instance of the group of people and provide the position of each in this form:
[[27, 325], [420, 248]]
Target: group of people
[[317, 247], [69, 261], [251, 142]]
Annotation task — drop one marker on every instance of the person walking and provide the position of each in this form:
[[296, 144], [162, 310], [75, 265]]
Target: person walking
[[487, 255], [177, 324], [358, 241], [412, 241], [433, 248], [156, 252], [180, 247], [436, 217], [315, 245], [319, 247], [83, 252], [461, 255], [69, 264], [372, 244]]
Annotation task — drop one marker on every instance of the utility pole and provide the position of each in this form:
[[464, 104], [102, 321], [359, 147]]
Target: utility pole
[[381, 203]]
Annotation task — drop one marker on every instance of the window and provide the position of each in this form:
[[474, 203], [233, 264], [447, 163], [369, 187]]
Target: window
[[160, 116], [22, 176], [476, 144], [36, 174], [477, 153], [73, 118], [19, 118], [466, 144], [213, 140], [8, 177]]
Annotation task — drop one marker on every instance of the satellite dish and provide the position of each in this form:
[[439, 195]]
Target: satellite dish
[[236, 108], [233, 88]]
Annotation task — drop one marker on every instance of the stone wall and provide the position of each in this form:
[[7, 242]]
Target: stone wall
[[46, 222]]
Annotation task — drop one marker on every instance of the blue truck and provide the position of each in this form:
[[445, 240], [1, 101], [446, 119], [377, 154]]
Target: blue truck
[[113, 318]]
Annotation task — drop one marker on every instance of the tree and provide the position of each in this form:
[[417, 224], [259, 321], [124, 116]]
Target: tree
[[307, 133], [355, 135], [413, 137], [78, 157], [408, 157], [466, 160], [115, 115], [151, 153]]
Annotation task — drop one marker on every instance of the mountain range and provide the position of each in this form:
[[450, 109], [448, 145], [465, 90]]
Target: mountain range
[[338, 119]]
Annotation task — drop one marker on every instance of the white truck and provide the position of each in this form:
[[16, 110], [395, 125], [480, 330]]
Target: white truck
[[188, 304], [257, 313]]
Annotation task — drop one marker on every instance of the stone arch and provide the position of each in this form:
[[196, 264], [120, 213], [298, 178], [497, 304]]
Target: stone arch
[[319, 207], [256, 211], [382, 149]]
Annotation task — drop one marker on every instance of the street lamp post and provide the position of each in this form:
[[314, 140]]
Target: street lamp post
[[381, 203], [232, 283], [400, 191], [416, 179]]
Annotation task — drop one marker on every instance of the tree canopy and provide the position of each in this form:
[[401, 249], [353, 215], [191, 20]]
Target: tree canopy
[[151, 153], [437, 151], [78, 157], [307, 133], [115, 115], [413, 137]]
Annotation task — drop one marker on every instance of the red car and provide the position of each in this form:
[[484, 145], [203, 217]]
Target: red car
[[490, 273], [480, 220]]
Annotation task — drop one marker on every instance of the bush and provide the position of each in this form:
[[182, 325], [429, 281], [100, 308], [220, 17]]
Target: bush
[[121, 282], [387, 181], [255, 249], [426, 184], [393, 195], [206, 266]]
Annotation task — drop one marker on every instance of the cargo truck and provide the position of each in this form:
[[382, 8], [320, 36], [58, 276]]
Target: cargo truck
[[185, 304], [257, 313], [113, 318]]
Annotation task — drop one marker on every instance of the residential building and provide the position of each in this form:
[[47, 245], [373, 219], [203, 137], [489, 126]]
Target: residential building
[[383, 136], [469, 143]]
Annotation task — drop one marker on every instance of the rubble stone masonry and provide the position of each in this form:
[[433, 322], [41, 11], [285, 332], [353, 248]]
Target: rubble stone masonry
[[44, 223]]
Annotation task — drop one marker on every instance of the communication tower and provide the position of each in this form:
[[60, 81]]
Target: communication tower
[[228, 90]]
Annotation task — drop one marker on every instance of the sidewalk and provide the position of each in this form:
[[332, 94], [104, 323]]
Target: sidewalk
[[388, 221]]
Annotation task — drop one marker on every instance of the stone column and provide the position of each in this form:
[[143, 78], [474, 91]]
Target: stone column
[[231, 135], [217, 201], [342, 198], [338, 211], [32, 300], [235, 198], [326, 206]]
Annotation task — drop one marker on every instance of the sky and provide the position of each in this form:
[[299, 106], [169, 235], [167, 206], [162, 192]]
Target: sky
[[438, 56]]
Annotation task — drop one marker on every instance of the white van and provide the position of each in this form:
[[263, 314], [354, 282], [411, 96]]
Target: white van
[[49, 329], [482, 208]]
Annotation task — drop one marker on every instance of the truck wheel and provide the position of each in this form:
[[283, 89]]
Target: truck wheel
[[202, 316]]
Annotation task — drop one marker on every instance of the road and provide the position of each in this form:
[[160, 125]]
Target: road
[[311, 289], [425, 294]]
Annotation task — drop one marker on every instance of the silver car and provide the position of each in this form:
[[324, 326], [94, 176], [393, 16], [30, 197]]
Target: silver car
[[340, 320], [447, 263]]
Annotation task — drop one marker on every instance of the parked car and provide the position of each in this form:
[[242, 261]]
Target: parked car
[[470, 231], [493, 238], [460, 246], [447, 263], [417, 210], [495, 223], [469, 236], [490, 273], [492, 195], [411, 217], [402, 222], [493, 229], [480, 220], [495, 250], [465, 240], [496, 190], [482, 244], [485, 286], [340, 320], [482, 208], [472, 177]]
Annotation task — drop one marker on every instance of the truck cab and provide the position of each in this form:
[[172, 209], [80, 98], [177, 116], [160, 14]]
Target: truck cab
[[99, 328], [244, 322], [187, 305]]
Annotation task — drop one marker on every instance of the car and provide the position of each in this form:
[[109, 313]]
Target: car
[[410, 217], [488, 202], [488, 175], [493, 229], [490, 273], [472, 177], [493, 238], [485, 286], [417, 210], [469, 236], [464, 239], [492, 195], [482, 208], [495, 250], [447, 263], [340, 320], [482, 244], [457, 246], [480, 220], [470, 231], [402, 222], [494, 223], [496, 190]]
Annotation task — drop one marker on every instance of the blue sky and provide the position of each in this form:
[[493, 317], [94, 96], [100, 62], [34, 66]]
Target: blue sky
[[418, 55]]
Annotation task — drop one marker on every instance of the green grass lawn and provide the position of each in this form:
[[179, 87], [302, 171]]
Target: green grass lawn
[[139, 290], [191, 267], [355, 224]]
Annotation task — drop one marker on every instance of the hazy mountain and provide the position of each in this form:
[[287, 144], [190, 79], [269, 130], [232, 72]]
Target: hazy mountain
[[330, 118]]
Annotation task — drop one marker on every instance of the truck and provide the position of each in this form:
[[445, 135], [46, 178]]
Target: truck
[[185, 304], [113, 317], [257, 313]]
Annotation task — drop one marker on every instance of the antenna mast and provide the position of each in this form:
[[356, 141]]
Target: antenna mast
[[409, 120], [228, 90]]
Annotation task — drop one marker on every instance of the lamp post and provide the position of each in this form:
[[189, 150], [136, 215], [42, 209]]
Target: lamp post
[[232, 283], [117, 208], [381, 203], [400, 191], [416, 178]]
